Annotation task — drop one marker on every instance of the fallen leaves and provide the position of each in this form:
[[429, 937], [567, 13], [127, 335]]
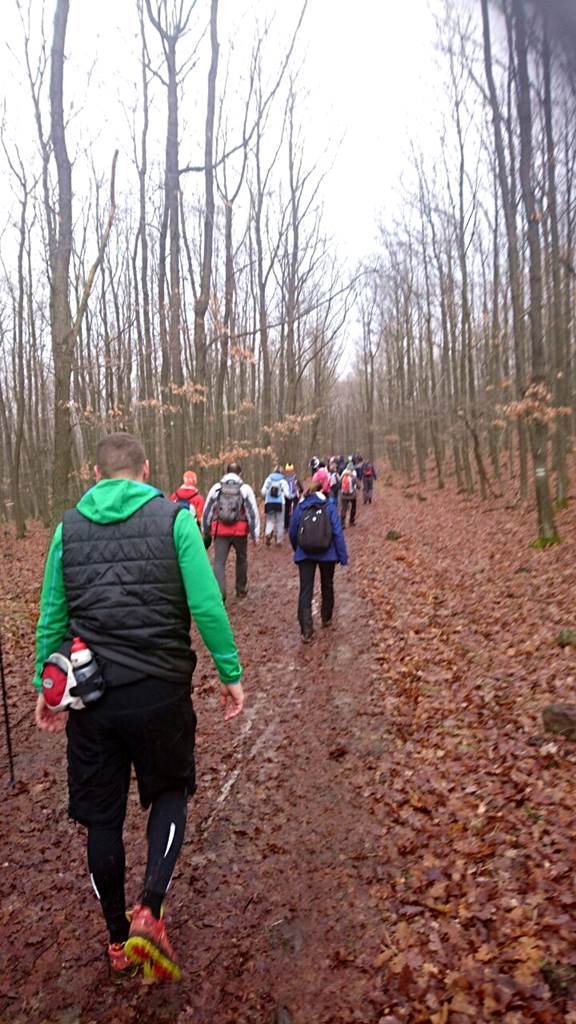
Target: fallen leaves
[[477, 818], [468, 876]]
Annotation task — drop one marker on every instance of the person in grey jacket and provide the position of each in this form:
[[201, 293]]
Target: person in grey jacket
[[231, 516]]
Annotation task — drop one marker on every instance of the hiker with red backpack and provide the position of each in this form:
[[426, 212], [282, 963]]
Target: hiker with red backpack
[[317, 538], [348, 495], [368, 478], [188, 495], [231, 516]]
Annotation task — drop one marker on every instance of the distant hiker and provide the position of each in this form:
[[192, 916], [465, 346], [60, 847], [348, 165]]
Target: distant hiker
[[358, 463], [125, 571], [368, 478], [317, 538], [323, 477], [348, 495], [313, 464], [295, 490], [275, 492], [334, 479], [188, 495], [340, 464], [231, 515]]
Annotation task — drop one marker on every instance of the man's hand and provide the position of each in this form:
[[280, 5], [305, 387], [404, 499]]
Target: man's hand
[[49, 721], [232, 700]]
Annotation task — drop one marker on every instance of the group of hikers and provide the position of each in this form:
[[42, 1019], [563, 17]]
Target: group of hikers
[[314, 515], [125, 573]]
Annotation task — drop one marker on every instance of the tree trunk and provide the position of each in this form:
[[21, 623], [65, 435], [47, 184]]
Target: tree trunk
[[538, 426], [60, 316], [201, 304]]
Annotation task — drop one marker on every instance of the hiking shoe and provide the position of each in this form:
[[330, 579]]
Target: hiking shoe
[[307, 638], [268, 540], [120, 966], [148, 946], [326, 622]]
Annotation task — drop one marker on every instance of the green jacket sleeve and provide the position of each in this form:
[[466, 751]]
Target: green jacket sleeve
[[53, 621], [205, 599]]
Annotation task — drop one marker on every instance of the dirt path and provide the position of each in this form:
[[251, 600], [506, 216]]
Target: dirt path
[[382, 837], [268, 904]]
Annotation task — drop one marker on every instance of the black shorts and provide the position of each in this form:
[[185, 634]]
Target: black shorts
[[149, 724]]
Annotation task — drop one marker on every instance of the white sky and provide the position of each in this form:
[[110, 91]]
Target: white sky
[[373, 83], [367, 75]]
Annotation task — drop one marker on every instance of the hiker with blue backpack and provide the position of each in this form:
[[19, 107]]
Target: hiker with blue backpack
[[275, 493], [317, 538]]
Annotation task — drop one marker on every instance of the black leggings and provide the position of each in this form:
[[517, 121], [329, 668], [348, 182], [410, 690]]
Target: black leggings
[[307, 569], [106, 861]]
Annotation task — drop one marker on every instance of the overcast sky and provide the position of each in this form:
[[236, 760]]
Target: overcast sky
[[367, 77]]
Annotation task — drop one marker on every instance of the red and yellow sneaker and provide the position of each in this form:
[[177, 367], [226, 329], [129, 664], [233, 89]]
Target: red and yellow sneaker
[[147, 946], [120, 966]]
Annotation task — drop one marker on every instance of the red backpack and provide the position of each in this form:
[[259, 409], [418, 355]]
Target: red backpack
[[348, 484]]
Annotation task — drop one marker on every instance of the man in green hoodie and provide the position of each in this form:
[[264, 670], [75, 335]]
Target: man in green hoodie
[[125, 571]]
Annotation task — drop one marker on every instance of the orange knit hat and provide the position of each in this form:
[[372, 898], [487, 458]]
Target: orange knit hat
[[190, 479]]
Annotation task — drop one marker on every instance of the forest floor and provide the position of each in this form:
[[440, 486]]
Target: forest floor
[[384, 836]]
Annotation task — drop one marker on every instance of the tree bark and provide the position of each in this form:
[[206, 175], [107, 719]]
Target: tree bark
[[538, 426], [60, 315], [201, 304]]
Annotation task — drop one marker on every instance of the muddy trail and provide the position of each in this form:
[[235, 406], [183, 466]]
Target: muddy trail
[[385, 835]]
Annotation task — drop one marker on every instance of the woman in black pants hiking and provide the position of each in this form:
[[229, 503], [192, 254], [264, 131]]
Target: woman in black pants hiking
[[317, 538]]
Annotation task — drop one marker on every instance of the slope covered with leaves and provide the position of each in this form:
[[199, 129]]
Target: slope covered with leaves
[[477, 806]]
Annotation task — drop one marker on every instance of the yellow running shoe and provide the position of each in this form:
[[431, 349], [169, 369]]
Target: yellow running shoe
[[148, 945]]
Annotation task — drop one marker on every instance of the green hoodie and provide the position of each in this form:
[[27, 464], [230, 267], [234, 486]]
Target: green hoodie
[[111, 501]]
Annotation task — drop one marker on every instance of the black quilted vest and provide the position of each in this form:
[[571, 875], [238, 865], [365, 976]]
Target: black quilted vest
[[125, 593]]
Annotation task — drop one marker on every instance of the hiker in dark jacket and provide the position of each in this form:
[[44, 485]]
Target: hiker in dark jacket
[[125, 571], [307, 560], [295, 488], [368, 478]]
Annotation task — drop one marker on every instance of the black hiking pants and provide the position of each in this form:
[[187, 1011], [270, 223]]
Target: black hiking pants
[[307, 570], [289, 506], [149, 725]]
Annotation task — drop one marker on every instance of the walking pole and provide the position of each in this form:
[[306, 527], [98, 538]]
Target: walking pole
[[6, 718]]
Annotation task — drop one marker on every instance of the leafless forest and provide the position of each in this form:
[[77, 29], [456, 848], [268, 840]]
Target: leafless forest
[[201, 305]]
